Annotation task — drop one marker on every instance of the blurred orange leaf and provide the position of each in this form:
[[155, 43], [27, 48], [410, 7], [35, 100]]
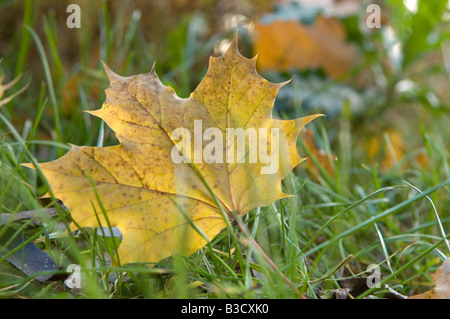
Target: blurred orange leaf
[[283, 45], [390, 148], [319, 155]]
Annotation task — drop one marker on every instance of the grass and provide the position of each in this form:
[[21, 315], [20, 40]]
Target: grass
[[339, 221]]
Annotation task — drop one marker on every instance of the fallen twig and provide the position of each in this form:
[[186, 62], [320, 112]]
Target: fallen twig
[[34, 215]]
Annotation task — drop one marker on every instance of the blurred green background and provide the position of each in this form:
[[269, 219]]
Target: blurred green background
[[390, 79]]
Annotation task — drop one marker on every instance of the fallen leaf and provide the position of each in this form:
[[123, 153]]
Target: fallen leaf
[[290, 44], [30, 259], [162, 207], [442, 284]]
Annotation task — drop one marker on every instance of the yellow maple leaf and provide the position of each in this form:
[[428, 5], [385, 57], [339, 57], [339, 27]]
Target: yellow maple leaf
[[152, 185]]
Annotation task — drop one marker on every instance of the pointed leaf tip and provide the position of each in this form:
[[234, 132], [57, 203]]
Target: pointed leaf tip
[[113, 77], [153, 70], [234, 43], [235, 36], [74, 147]]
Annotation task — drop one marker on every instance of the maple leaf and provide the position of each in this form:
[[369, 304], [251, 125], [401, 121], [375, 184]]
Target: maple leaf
[[153, 199]]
